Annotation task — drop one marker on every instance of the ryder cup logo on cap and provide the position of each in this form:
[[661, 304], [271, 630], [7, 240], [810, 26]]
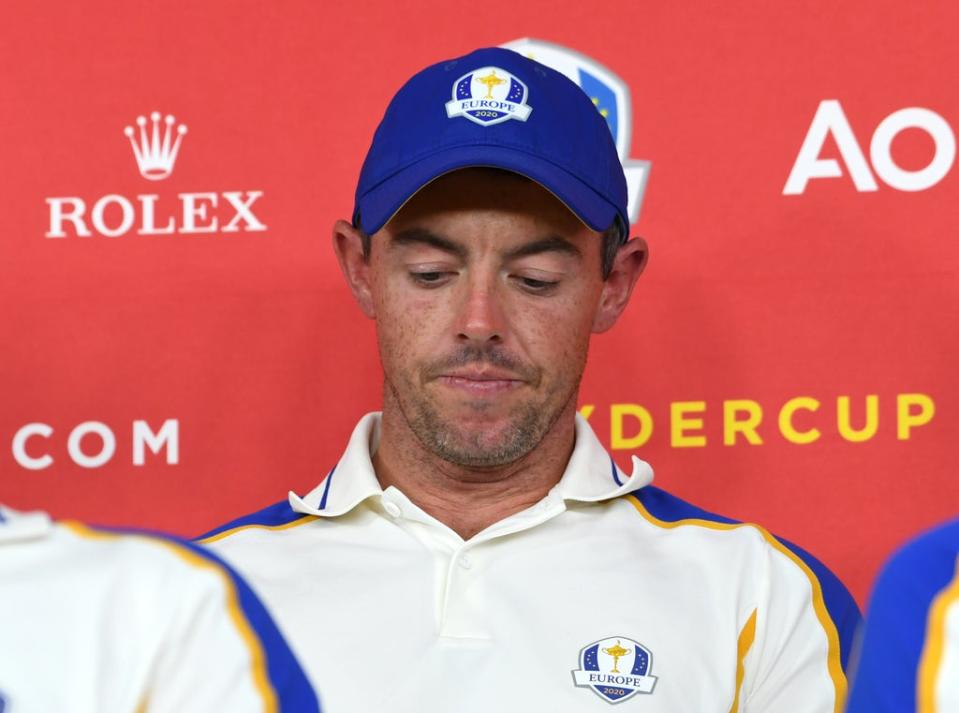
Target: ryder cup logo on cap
[[615, 669], [457, 114], [501, 97]]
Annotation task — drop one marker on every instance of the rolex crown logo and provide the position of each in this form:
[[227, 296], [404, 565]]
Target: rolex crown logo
[[155, 149]]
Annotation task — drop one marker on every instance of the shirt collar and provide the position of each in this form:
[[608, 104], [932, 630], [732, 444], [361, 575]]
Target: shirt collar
[[352, 479], [590, 476]]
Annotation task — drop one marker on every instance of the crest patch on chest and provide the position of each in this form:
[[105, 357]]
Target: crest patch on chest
[[615, 669]]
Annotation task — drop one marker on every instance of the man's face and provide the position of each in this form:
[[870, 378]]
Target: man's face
[[485, 289]]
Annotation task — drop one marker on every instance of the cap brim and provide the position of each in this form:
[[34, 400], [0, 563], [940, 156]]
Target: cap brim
[[381, 203]]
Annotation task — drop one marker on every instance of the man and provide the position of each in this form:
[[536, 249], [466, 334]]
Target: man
[[475, 548], [97, 621], [910, 649]]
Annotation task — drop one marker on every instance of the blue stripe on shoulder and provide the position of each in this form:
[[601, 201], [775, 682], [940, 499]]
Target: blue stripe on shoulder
[[895, 629], [670, 508], [615, 472], [840, 604], [272, 516], [293, 690], [326, 488]]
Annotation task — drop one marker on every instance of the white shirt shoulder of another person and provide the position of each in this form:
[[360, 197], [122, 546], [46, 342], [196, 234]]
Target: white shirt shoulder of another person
[[111, 621]]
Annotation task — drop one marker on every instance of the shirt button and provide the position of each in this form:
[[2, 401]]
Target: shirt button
[[392, 509], [465, 561]]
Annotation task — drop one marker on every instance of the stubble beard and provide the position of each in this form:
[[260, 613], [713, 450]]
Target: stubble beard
[[473, 448]]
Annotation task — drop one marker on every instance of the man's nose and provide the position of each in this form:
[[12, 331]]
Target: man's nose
[[481, 318]]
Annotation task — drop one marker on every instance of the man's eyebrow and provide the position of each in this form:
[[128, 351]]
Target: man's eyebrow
[[551, 243], [413, 236]]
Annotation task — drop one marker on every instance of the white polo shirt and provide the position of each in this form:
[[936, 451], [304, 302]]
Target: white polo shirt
[[606, 591], [92, 621]]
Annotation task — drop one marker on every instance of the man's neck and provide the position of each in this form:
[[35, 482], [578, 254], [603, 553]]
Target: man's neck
[[468, 500]]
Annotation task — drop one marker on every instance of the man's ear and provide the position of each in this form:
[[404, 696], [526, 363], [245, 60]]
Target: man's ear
[[348, 246], [627, 267]]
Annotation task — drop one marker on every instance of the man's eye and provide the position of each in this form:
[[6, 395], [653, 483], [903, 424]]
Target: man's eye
[[429, 278], [534, 285]]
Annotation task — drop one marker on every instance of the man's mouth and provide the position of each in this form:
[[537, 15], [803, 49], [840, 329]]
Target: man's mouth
[[480, 381]]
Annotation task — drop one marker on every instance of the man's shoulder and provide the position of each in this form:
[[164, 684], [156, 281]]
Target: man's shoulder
[[667, 511], [908, 607], [277, 517], [159, 572], [83, 553], [911, 580], [153, 555], [670, 512], [921, 568], [935, 548]]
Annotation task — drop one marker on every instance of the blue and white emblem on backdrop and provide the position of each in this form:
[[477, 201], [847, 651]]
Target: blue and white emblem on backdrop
[[489, 95], [609, 94], [615, 669]]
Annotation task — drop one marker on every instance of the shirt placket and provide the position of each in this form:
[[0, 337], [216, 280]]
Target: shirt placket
[[461, 580]]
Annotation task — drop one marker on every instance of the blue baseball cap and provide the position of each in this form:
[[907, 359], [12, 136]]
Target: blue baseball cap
[[496, 108]]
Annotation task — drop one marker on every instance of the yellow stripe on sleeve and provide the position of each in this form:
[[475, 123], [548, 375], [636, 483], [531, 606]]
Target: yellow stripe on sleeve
[[833, 660], [261, 679], [746, 637], [930, 661]]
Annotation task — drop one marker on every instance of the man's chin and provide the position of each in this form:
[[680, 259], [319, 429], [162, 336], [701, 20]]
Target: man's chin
[[482, 432], [483, 439], [489, 432]]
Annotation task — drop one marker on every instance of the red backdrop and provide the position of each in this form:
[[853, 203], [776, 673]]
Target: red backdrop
[[240, 353]]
